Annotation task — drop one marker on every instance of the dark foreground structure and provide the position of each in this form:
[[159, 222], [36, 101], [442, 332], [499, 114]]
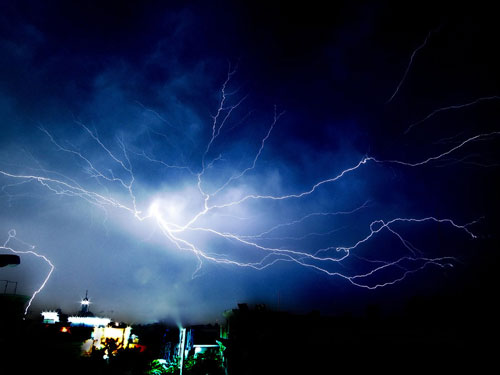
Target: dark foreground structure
[[262, 341], [438, 333], [446, 332]]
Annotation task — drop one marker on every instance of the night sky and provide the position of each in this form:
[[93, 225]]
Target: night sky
[[177, 158]]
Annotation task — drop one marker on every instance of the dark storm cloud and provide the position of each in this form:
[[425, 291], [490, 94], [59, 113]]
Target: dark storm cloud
[[146, 79]]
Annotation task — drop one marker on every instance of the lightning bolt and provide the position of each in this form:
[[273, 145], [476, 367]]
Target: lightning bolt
[[412, 57], [330, 260], [450, 108], [430, 159], [12, 235]]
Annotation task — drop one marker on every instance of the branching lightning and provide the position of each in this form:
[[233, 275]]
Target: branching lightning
[[12, 235], [412, 57], [180, 232], [449, 108]]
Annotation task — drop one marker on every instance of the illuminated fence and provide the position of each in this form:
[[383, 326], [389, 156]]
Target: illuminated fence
[[88, 321]]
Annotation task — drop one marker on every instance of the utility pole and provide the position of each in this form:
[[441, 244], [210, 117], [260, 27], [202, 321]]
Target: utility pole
[[182, 348]]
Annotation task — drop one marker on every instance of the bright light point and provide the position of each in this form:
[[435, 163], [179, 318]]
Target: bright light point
[[50, 317], [85, 302]]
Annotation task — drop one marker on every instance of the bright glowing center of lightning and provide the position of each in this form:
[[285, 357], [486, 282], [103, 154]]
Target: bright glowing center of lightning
[[167, 210], [173, 211]]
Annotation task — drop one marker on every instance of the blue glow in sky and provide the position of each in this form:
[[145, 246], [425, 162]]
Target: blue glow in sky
[[177, 159]]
